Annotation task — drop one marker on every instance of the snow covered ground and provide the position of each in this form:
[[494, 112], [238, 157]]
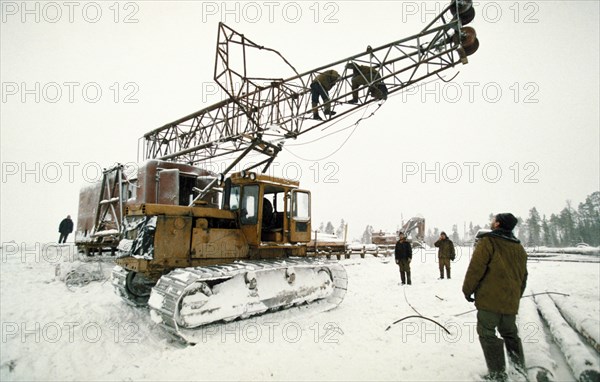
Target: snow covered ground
[[52, 333]]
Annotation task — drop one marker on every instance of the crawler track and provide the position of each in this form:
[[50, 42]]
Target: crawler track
[[189, 298]]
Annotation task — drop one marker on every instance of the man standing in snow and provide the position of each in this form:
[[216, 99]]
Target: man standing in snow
[[445, 254], [403, 254], [497, 275], [65, 228]]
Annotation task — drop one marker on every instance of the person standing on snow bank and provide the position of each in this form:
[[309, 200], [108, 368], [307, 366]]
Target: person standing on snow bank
[[497, 274], [65, 228], [445, 254], [403, 254]]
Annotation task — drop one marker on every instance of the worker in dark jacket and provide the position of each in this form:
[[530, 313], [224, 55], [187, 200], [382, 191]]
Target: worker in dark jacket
[[445, 253], [363, 75], [497, 275], [320, 87], [65, 228], [403, 253]]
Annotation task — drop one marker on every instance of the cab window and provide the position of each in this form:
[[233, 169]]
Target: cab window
[[249, 206], [234, 198], [301, 208]]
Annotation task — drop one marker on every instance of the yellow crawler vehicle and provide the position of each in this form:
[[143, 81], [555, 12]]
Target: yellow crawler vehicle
[[198, 264]]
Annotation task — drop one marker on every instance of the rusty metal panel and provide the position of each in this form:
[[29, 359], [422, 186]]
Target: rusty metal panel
[[172, 240], [382, 238], [86, 215], [218, 243], [168, 187], [147, 187]]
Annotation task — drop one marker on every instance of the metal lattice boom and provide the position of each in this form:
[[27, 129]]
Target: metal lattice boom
[[261, 114]]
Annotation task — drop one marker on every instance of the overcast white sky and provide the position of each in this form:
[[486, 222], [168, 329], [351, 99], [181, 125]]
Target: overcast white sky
[[526, 104]]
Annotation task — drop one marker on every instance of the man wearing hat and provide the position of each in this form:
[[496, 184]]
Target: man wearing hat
[[320, 87], [445, 254], [497, 276], [364, 75], [403, 255]]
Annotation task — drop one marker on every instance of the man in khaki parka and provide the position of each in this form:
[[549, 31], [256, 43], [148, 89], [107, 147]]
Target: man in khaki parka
[[445, 253], [497, 274], [361, 76], [320, 87]]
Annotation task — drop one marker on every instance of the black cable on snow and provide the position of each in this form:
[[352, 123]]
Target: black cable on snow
[[419, 316]]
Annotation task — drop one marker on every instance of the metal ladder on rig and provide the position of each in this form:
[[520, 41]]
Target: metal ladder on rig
[[108, 223]]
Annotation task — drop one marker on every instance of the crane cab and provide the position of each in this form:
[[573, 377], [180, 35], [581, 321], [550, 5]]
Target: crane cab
[[271, 211]]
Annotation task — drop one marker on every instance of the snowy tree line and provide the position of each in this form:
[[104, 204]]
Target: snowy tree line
[[568, 227]]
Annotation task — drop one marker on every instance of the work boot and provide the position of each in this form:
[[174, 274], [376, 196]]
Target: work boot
[[448, 274], [316, 112], [408, 278], [402, 278], [495, 377], [441, 276], [353, 101], [329, 112], [493, 351], [514, 348]]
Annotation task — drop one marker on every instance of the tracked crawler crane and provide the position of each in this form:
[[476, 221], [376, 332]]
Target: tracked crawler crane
[[195, 258]]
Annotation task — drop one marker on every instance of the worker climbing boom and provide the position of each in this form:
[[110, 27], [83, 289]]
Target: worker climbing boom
[[261, 114]]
